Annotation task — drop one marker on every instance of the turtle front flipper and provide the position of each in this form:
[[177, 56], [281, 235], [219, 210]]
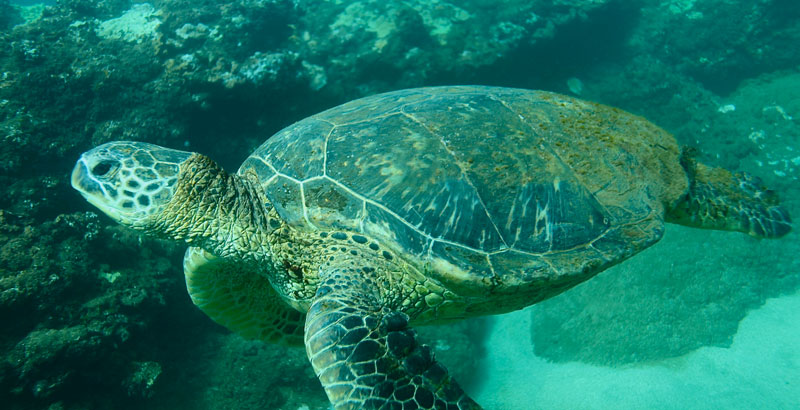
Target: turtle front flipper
[[239, 298], [719, 199], [366, 356]]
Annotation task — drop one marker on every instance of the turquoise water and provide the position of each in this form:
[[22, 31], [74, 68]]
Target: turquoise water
[[96, 316], [32, 2]]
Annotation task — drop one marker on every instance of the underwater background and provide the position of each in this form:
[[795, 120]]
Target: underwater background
[[95, 316]]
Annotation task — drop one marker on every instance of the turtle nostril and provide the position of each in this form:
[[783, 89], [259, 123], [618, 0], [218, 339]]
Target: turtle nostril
[[101, 168]]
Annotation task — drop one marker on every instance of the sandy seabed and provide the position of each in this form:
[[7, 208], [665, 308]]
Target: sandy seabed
[[760, 370]]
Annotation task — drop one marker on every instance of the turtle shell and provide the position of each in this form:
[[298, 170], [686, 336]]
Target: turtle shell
[[484, 188]]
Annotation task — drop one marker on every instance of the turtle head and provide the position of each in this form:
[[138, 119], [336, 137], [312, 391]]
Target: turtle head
[[131, 182]]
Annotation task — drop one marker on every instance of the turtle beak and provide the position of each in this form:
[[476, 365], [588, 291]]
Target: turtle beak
[[77, 174], [88, 187], [81, 181]]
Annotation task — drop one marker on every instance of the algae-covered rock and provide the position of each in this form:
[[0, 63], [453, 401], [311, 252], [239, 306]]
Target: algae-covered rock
[[65, 326], [142, 378], [135, 25], [722, 42], [366, 46], [689, 290], [215, 369]]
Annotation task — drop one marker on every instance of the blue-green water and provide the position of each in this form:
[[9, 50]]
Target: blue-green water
[[95, 316], [32, 2]]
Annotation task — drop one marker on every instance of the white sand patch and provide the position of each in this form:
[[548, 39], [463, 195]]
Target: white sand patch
[[761, 369]]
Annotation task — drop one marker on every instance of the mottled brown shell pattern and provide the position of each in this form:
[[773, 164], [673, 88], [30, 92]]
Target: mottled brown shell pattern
[[480, 187]]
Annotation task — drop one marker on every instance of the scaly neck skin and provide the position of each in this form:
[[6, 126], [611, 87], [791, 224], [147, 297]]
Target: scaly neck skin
[[218, 211]]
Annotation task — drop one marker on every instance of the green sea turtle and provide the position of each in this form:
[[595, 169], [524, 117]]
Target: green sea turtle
[[415, 207]]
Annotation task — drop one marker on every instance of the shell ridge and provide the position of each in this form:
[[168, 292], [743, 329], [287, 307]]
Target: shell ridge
[[558, 157], [463, 174], [305, 207], [325, 148], [401, 219], [397, 111]]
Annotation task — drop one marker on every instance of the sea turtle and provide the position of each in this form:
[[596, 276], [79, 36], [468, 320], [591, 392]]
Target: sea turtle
[[415, 207]]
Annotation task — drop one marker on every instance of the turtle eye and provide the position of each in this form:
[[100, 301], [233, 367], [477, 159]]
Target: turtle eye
[[103, 168]]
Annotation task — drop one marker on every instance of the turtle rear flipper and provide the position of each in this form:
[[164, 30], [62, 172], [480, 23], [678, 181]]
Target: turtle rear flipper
[[719, 199], [366, 356]]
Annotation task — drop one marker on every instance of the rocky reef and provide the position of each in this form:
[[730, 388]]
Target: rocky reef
[[686, 292], [93, 313]]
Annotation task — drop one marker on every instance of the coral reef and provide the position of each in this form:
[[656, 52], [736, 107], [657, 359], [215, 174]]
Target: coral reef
[[224, 371], [367, 46], [721, 42], [72, 301]]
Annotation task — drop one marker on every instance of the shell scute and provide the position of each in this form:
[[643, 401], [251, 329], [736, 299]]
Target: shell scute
[[297, 151], [395, 233], [329, 205], [286, 197]]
